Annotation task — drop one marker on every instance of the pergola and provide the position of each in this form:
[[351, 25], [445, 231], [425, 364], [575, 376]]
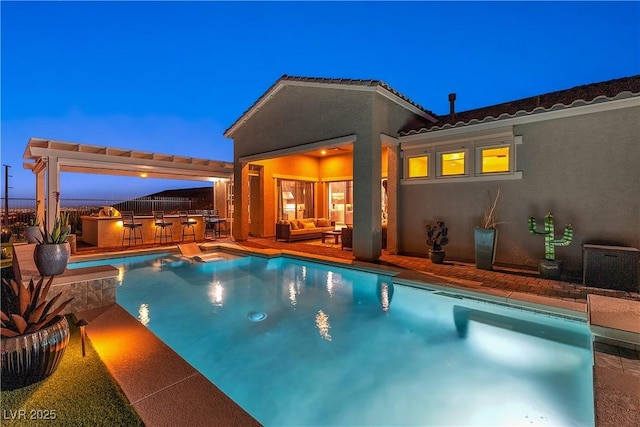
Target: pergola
[[47, 158]]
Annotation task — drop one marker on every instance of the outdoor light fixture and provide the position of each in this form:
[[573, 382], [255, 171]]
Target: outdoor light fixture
[[82, 323]]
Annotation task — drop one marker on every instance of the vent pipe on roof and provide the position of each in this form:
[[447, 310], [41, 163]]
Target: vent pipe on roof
[[452, 105]]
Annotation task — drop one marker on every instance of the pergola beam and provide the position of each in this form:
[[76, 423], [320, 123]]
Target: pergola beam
[[49, 158]]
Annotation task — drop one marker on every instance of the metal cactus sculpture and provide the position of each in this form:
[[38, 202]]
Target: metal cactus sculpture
[[549, 235]]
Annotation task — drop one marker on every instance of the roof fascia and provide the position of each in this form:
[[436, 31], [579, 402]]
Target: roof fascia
[[529, 118], [74, 157]]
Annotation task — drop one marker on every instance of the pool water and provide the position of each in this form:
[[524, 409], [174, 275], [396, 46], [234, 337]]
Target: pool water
[[340, 347]]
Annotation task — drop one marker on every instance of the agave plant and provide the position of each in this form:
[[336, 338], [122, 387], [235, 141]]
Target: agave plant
[[57, 235], [26, 309], [34, 222]]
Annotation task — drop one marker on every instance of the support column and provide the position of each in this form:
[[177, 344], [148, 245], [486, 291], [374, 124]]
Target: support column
[[393, 182], [367, 218], [40, 195], [241, 201], [53, 187]]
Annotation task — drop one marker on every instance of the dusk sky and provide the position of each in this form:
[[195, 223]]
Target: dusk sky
[[170, 77]]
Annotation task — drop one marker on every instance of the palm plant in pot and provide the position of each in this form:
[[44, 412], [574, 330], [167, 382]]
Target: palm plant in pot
[[486, 235], [437, 238], [33, 334]]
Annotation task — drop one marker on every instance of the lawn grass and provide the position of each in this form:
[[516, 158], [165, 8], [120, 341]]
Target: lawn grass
[[81, 392]]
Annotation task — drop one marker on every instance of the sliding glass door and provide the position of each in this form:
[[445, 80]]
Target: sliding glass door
[[341, 201], [295, 199]]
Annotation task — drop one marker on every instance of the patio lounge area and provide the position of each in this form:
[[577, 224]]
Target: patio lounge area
[[616, 364]]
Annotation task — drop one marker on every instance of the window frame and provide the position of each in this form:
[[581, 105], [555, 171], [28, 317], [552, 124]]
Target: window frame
[[487, 145], [468, 160], [472, 146], [429, 157]]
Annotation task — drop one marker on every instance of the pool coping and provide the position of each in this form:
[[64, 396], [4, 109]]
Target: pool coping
[[161, 407]]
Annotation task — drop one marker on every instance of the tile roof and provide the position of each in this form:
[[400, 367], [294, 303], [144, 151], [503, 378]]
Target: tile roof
[[579, 95], [322, 80]]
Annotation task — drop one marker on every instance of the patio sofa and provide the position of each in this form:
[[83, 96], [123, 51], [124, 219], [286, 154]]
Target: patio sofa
[[302, 229]]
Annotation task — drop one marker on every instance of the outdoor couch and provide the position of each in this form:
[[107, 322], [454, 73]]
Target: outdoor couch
[[301, 229]]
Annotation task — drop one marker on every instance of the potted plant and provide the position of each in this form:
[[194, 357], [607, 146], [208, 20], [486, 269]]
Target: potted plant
[[33, 336], [33, 230], [549, 267], [437, 238], [486, 235], [52, 252]]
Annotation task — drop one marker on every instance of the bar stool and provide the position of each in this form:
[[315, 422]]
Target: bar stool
[[209, 226], [187, 223], [128, 225], [162, 226]]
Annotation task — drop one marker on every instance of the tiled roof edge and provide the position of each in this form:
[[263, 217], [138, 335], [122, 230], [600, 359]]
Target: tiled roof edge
[[521, 113], [629, 87]]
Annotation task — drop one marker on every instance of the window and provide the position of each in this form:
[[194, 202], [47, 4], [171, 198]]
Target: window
[[480, 157], [453, 163], [418, 167], [494, 159], [295, 199]]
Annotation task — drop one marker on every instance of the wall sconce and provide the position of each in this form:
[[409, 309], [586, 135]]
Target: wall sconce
[[82, 323]]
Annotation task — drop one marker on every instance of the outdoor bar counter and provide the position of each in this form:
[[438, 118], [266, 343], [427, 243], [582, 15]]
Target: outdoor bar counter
[[105, 231]]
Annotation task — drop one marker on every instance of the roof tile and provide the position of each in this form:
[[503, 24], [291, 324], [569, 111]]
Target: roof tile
[[579, 95]]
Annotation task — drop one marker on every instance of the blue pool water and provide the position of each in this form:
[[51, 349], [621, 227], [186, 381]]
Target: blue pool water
[[340, 347]]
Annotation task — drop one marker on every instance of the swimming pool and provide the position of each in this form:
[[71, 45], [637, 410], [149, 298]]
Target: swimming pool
[[346, 347]]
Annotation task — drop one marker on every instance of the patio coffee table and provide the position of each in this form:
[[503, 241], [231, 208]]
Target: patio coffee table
[[336, 234]]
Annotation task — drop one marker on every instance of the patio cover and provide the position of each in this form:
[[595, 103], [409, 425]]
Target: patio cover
[[47, 158]]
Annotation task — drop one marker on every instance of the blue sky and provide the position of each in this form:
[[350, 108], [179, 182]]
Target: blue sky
[[170, 77]]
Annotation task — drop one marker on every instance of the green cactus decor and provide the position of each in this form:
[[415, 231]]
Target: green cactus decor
[[549, 235]]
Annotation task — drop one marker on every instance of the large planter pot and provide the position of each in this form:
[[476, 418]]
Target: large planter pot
[[550, 268], [51, 259], [485, 244], [30, 358], [33, 233], [436, 257]]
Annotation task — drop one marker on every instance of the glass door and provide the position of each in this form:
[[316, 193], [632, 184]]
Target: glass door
[[295, 199], [341, 202]]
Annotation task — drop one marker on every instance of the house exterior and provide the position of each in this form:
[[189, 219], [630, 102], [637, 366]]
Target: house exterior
[[361, 153]]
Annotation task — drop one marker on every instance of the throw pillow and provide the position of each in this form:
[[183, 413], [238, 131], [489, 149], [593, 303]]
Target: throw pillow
[[294, 224], [309, 225], [323, 222]]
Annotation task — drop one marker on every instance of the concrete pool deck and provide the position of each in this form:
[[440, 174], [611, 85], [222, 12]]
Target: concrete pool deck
[[152, 375]]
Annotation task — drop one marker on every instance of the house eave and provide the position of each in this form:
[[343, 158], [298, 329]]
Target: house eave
[[577, 108]]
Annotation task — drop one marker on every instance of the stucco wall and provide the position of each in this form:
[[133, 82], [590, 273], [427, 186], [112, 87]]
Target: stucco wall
[[300, 115], [584, 169], [297, 115]]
